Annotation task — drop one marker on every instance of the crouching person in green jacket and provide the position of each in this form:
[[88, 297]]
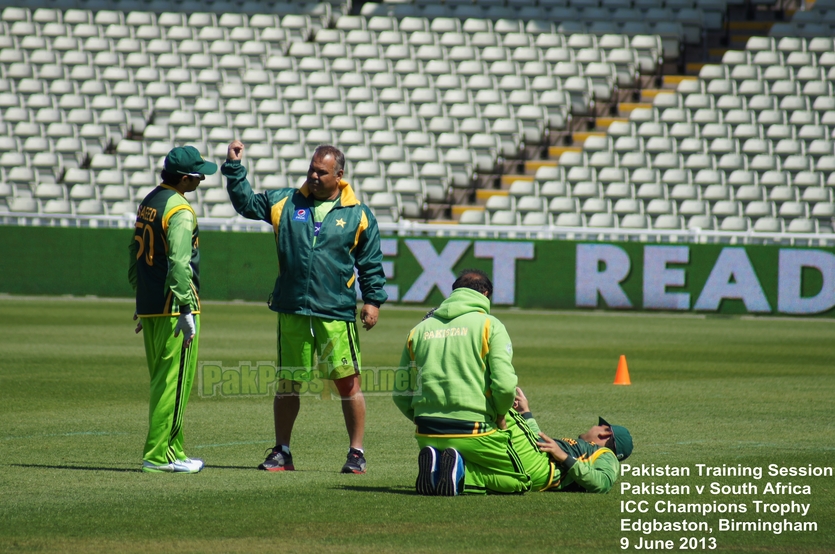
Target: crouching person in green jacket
[[465, 385]]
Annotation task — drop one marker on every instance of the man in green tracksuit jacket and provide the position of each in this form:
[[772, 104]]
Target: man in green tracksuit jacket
[[322, 233], [164, 272], [465, 385], [589, 463]]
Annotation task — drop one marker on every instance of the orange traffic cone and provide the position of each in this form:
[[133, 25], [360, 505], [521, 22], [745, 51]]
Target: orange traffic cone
[[622, 375]]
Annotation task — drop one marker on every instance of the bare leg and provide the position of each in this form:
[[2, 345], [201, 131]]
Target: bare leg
[[285, 409], [353, 408]]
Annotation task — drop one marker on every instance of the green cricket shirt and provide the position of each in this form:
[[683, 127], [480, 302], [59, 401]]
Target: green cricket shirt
[[321, 208]]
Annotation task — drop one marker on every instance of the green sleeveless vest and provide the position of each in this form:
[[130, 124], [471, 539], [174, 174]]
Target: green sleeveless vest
[[153, 295]]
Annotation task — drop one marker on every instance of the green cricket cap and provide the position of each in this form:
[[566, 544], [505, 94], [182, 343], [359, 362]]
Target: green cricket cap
[[623, 440], [186, 159]]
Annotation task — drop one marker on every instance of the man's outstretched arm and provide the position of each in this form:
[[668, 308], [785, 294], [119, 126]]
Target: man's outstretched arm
[[246, 203], [500, 363]]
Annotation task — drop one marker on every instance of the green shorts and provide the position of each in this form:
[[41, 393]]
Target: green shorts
[[317, 348]]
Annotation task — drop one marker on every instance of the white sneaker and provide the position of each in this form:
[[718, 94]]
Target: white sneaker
[[194, 463], [180, 466]]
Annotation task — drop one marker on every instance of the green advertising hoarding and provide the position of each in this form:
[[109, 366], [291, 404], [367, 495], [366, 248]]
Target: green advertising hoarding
[[718, 278], [629, 276]]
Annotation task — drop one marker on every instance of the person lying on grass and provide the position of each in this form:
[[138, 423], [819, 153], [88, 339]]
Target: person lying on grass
[[589, 463]]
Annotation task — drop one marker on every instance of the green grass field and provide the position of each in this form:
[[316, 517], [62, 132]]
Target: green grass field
[[73, 407]]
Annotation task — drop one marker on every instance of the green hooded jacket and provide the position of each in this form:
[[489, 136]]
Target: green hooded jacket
[[463, 357], [315, 278]]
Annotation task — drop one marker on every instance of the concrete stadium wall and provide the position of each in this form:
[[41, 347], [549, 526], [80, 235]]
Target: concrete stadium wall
[[716, 278]]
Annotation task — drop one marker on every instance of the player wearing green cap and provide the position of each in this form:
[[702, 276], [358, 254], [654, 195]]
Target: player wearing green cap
[[164, 272], [589, 463]]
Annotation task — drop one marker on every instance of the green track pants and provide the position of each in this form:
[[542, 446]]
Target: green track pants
[[491, 462], [172, 373]]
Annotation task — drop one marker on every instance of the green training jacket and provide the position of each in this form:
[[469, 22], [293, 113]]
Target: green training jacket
[[588, 468], [463, 358], [318, 279]]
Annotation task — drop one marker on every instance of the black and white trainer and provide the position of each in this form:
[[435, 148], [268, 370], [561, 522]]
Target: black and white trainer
[[278, 460], [355, 462], [427, 479]]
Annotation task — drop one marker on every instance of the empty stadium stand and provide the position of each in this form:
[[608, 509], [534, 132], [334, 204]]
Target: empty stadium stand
[[525, 115]]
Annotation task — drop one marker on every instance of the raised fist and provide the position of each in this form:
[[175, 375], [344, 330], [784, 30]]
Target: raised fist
[[235, 151]]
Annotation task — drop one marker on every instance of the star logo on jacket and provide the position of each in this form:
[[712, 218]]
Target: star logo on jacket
[[340, 222]]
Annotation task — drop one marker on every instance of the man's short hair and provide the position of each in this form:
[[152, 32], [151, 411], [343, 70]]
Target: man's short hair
[[329, 150], [474, 279], [170, 179]]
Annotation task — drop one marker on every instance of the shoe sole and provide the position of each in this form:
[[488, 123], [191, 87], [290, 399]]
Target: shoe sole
[[156, 470], [427, 462], [448, 483], [282, 468], [354, 471]]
